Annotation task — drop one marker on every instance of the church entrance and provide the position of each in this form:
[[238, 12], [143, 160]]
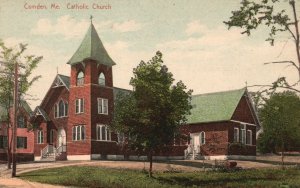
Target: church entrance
[[62, 139]]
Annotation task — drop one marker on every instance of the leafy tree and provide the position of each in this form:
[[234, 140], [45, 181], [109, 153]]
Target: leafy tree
[[253, 14], [152, 114], [280, 118], [8, 58]]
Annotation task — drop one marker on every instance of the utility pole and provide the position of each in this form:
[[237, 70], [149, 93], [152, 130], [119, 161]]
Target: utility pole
[[14, 128]]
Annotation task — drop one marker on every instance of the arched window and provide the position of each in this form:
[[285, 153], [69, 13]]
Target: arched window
[[202, 138], [66, 109], [101, 79], [80, 78], [61, 108], [56, 110]]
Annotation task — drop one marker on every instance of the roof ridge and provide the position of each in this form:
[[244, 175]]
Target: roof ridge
[[121, 88], [63, 75], [219, 92]]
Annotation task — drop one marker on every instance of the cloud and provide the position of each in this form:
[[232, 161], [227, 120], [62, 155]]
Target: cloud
[[130, 25], [218, 59], [69, 27], [195, 27], [66, 26]]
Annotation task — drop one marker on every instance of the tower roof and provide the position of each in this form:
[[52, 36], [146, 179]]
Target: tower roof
[[91, 47]]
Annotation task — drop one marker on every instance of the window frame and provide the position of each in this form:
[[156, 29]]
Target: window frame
[[51, 136], [99, 133], [243, 133], [66, 108], [61, 108], [121, 137], [80, 80], [237, 138], [56, 110], [103, 79], [40, 137], [101, 108], [80, 106], [78, 133], [202, 138], [23, 141], [250, 137], [23, 122], [3, 141]]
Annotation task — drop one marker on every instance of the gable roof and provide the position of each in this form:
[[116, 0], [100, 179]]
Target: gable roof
[[212, 107], [91, 47], [3, 112], [65, 80], [39, 111]]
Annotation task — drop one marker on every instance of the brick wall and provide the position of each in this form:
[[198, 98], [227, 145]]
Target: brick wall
[[24, 154], [244, 112], [39, 147], [216, 136]]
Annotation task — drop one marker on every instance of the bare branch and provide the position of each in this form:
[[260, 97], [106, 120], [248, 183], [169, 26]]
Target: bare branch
[[283, 87], [282, 62], [293, 35]]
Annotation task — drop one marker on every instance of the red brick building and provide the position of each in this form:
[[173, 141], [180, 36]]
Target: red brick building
[[25, 142], [75, 114]]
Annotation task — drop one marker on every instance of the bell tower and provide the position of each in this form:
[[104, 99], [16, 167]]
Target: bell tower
[[91, 96]]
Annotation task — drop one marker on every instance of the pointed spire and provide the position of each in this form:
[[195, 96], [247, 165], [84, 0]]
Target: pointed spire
[[91, 18], [91, 47]]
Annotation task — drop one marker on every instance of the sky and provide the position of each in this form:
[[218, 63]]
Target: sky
[[197, 46]]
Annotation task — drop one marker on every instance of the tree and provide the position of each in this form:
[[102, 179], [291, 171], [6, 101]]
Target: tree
[[280, 118], [152, 114], [253, 14], [8, 58]]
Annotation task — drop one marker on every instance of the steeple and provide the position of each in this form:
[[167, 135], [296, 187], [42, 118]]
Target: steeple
[[91, 47]]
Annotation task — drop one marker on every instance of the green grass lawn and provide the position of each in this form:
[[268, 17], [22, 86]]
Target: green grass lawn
[[87, 176]]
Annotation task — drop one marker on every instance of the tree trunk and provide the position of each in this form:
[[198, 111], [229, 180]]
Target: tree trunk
[[282, 161], [8, 148], [151, 161], [282, 156]]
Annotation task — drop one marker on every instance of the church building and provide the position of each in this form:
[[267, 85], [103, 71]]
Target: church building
[[74, 116]]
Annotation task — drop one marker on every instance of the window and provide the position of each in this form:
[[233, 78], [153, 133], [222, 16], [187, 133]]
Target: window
[[61, 109], [51, 138], [236, 135], [56, 109], [243, 134], [3, 142], [40, 137], [249, 137], [21, 142], [101, 79], [80, 78], [79, 106], [121, 137], [78, 132], [21, 122], [202, 138], [102, 106], [66, 109], [103, 133]]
